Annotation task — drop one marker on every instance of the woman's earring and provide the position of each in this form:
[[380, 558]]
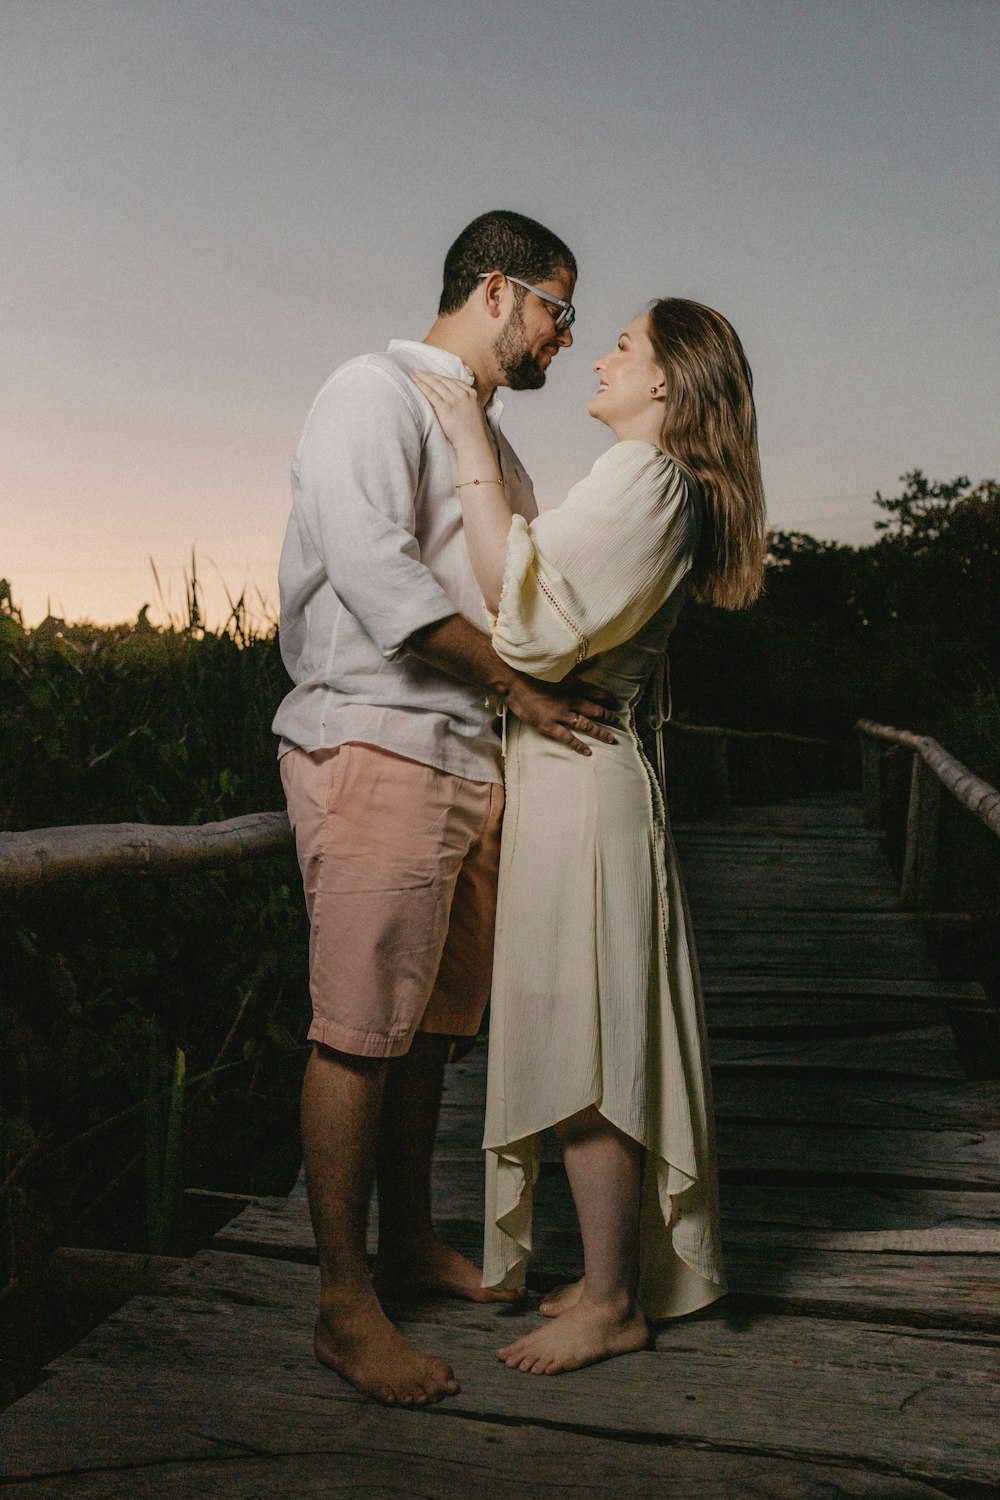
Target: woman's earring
[[653, 389]]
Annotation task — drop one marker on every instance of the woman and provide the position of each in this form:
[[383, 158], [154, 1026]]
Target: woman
[[597, 1025]]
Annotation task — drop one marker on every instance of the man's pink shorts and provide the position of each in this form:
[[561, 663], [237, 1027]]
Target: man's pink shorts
[[399, 864]]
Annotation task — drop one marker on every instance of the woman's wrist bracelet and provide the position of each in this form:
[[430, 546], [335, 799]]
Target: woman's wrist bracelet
[[462, 484]]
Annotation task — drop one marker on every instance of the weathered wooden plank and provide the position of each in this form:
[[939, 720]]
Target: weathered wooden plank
[[957, 1289], [765, 832], [209, 1377], [766, 894], [925, 1291], [813, 859], [876, 925], [728, 1328], [902, 1241], [925, 1054], [753, 1213], [954, 992], [882, 1102], [855, 1206], [942, 1158], [390, 1455], [802, 953], [836, 811], [831, 1015], [282, 1228], [733, 853]]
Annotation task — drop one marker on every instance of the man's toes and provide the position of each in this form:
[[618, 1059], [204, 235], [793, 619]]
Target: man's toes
[[443, 1374]]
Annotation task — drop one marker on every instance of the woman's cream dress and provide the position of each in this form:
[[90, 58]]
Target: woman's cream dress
[[595, 991]]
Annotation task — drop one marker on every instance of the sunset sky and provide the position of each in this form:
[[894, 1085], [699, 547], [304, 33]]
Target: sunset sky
[[209, 204]]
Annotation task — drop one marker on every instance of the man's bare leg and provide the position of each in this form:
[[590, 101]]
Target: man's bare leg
[[604, 1167], [411, 1258], [341, 1103]]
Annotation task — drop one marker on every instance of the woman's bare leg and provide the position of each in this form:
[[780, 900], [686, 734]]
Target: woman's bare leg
[[560, 1299], [604, 1167]]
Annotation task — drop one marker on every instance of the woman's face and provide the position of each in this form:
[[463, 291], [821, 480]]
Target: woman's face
[[628, 375]]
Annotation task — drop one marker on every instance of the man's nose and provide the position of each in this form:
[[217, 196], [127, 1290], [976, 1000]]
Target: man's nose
[[565, 336]]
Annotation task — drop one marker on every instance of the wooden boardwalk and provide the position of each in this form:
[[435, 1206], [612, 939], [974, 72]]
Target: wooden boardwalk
[[857, 1355]]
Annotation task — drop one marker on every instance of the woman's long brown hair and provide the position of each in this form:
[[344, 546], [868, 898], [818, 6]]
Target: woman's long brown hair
[[710, 425]]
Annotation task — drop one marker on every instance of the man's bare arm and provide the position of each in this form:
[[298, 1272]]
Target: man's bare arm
[[554, 709]]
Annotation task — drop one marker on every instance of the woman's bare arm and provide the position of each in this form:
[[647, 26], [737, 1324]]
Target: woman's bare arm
[[485, 512]]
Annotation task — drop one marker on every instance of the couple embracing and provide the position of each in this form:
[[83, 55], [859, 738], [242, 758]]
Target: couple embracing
[[411, 513]]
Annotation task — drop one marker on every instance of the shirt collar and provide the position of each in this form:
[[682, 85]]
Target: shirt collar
[[448, 364]]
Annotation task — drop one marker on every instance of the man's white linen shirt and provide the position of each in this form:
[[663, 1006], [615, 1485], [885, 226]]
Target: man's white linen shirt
[[374, 551]]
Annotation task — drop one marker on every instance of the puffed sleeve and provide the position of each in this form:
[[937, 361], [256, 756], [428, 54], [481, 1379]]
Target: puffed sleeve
[[586, 576]]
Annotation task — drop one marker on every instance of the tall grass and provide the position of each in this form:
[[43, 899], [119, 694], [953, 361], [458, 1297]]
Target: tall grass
[[169, 725]]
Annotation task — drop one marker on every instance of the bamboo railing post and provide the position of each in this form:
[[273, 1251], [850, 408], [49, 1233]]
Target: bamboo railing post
[[920, 860], [720, 774], [871, 782]]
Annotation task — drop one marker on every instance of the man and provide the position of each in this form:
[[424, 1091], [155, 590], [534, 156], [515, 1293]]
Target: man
[[394, 780]]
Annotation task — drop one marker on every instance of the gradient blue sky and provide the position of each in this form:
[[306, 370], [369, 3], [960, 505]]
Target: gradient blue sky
[[209, 204]]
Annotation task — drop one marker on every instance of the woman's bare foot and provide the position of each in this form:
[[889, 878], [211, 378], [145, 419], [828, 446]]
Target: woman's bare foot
[[582, 1335], [361, 1345], [560, 1299], [436, 1268]]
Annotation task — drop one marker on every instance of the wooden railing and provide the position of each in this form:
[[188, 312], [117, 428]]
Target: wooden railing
[[932, 767], [40, 855], [718, 761], [46, 854]]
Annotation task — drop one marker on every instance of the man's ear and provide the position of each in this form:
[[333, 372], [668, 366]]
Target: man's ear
[[491, 291]]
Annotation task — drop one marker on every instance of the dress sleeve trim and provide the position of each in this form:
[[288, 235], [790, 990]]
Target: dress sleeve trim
[[521, 559], [583, 644]]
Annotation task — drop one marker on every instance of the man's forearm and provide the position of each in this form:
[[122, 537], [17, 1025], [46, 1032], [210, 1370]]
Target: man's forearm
[[463, 652]]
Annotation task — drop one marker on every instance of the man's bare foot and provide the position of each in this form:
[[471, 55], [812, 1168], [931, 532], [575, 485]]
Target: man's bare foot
[[560, 1299], [362, 1346], [582, 1335], [437, 1269]]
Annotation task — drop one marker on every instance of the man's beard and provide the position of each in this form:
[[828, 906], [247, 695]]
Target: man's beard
[[521, 369]]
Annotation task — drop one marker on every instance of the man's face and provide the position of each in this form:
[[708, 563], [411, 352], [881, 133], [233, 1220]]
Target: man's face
[[529, 341]]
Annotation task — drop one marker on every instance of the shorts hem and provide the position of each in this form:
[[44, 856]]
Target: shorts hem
[[359, 1043]]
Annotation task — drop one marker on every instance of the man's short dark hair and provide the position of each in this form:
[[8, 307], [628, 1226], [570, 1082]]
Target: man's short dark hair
[[501, 241]]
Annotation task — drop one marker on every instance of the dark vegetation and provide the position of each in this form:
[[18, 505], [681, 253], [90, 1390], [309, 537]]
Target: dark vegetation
[[152, 1026]]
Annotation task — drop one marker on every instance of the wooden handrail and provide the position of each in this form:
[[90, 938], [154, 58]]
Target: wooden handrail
[[971, 790], [716, 732], [933, 768], [718, 752], [44, 854]]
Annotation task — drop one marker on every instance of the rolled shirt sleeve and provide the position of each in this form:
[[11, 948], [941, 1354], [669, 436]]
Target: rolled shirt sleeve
[[587, 575], [358, 471]]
